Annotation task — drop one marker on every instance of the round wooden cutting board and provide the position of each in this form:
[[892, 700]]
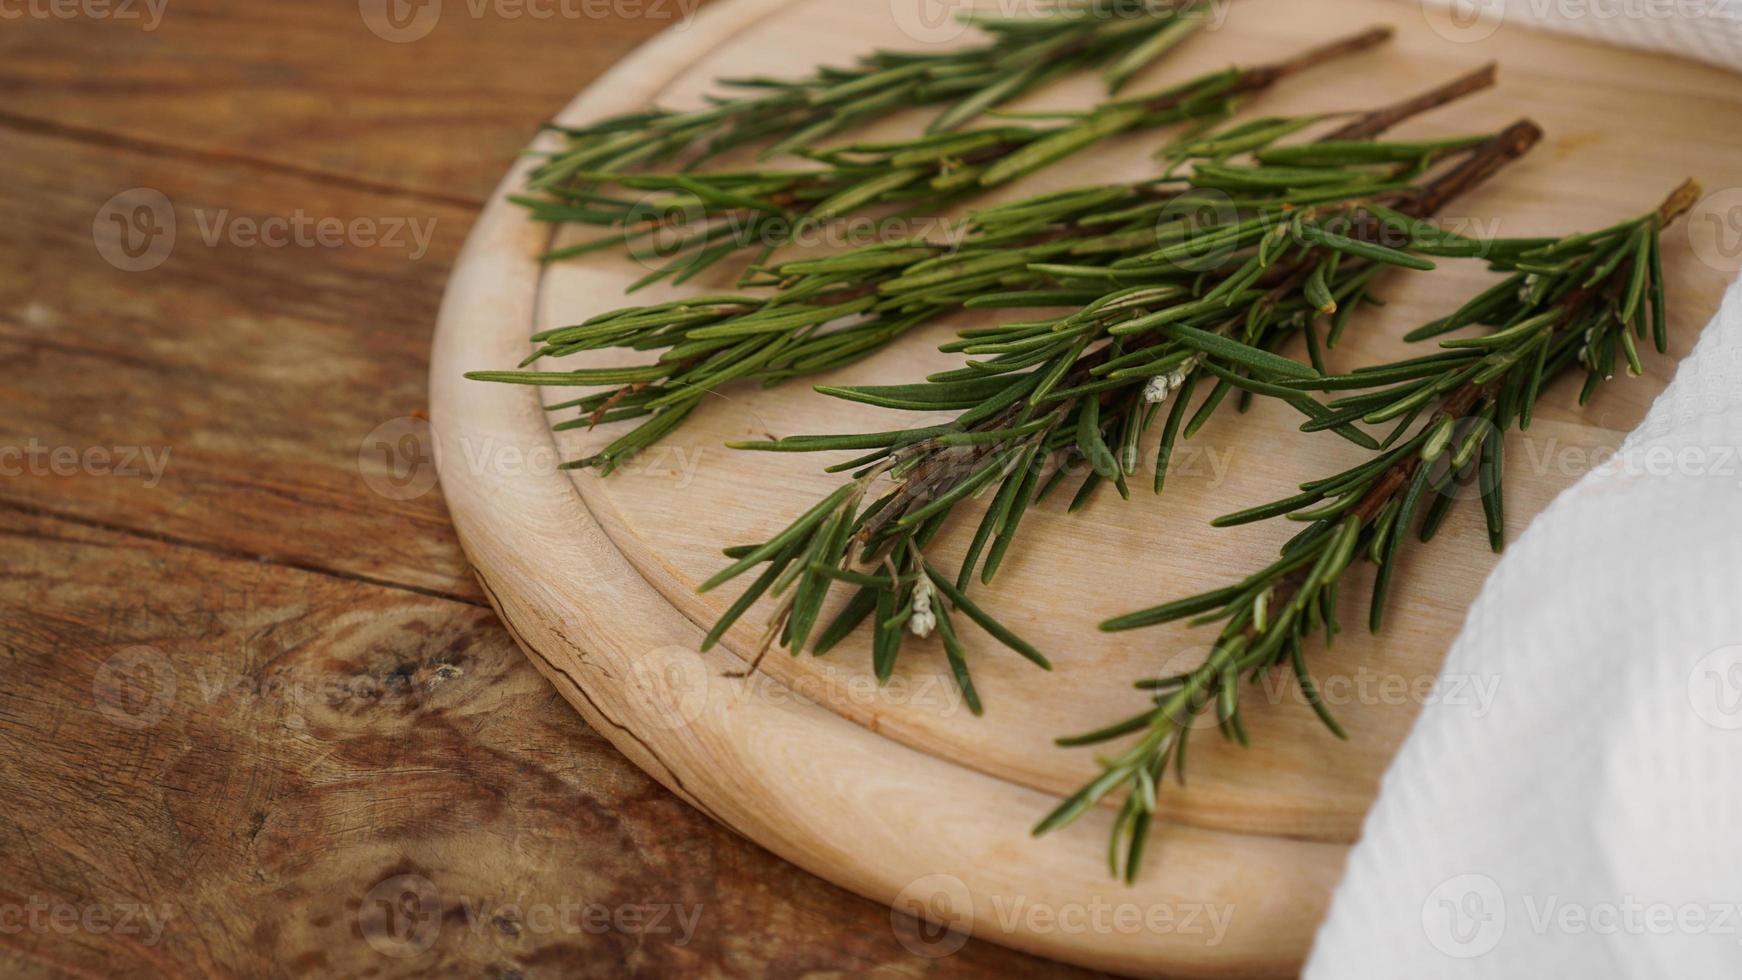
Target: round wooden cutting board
[[899, 793]]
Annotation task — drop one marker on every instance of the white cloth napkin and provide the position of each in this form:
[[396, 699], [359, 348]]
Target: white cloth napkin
[[1709, 30], [1589, 824]]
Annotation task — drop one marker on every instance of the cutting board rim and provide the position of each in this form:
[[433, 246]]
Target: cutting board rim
[[589, 669], [528, 531]]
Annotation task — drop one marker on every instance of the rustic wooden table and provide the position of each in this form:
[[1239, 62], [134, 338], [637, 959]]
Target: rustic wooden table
[[258, 718]]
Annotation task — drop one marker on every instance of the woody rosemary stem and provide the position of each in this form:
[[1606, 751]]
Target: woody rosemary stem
[[1510, 144], [793, 114], [829, 312], [1464, 401], [1370, 124], [1263, 77], [1580, 298], [1082, 383], [711, 216]]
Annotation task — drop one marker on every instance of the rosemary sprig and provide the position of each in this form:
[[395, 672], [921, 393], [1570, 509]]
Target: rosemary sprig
[[1582, 300], [1044, 391], [1055, 249], [695, 220], [784, 115]]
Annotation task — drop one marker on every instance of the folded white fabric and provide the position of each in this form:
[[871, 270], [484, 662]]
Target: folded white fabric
[[1710, 30], [1589, 825]]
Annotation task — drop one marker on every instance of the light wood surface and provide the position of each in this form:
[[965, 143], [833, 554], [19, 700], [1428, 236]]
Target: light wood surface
[[889, 792]]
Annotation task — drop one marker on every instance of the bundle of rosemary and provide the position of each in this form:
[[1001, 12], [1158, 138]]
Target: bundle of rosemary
[[696, 220], [829, 312], [690, 221], [1091, 382], [786, 115], [1166, 295], [1579, 301]]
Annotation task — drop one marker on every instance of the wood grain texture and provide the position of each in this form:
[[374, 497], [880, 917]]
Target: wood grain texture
[[617, 630], [259, 757], [261, 422], [311, 88], [345, 710]]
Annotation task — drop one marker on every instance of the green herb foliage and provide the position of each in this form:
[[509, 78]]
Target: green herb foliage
[[1582, 302], [785, 115], [1159, 322], [684, 223]]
